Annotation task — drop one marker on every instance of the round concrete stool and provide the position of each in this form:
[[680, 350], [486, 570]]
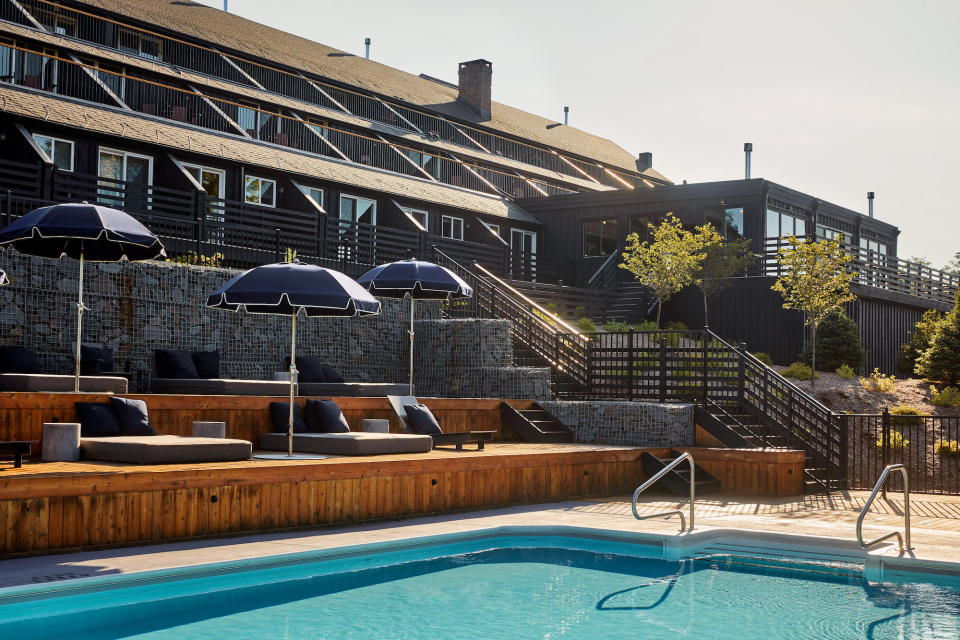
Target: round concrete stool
[[374, 425], [202, 429], [61, 441]]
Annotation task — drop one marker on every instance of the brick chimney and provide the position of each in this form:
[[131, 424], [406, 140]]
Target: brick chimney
[[474, 87]]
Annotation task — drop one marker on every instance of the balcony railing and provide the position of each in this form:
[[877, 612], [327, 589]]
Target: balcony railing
[[881, 271], [239, 234], [105, 32], [66, 77]]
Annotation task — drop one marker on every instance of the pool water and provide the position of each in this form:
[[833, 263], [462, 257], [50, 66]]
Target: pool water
[[498, 588]]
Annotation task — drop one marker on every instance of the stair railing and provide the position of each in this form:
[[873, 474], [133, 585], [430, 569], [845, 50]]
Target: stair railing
[[652, 481], [904, 540]]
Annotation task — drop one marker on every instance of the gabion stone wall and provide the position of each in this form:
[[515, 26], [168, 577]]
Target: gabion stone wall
[[138, 307], [627, 423]]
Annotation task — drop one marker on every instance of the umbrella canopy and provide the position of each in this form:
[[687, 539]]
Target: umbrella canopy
[[3, 278], [419, 280], [422, 280], [99, 234], [84, 232], [289, 289]]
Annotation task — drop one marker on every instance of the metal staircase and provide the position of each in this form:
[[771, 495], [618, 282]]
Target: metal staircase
[[535, 424]]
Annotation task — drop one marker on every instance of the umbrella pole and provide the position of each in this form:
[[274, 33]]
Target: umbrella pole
[[293, 375], [76, 353], [412, 302]]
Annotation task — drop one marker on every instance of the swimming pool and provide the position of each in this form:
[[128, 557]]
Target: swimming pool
[[518, 583]]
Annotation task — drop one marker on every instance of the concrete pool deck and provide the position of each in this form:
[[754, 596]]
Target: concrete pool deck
[[935, 529]]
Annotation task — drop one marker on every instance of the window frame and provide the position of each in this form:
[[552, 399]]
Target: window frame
[[247, 177], [412, 213], [125, 155], [55, 139], [603, 222], [306, 189], [452, 219], [357, 200]]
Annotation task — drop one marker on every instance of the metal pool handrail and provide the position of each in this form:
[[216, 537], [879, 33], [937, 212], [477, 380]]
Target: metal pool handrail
[[901, 540], [646, 485]]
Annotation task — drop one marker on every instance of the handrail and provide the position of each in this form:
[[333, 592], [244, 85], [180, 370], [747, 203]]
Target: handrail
[[646, 485], [602, 267], [902, 541]]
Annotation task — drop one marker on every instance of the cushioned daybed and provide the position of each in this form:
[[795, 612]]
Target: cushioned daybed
[[161, 449], [317, 378], [20, 371], [348, 444], [198, 373]]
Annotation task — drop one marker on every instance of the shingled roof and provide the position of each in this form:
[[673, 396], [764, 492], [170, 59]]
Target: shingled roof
[[233, 32]]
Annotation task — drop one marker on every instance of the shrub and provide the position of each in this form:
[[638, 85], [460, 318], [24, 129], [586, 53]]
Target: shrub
[[941, 362], [897, 441], [798, 371], [649, 325], [918, 343], [949, 448], [616, 326], [191, 257], [903, 415], [947, 397], [764, 358], [844, 372], [586, 325], [676, 325], [838, 343], [879, 382]]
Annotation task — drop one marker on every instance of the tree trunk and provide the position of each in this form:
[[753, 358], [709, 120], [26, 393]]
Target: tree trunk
[[659, 308], [706, 319], [813, 358]]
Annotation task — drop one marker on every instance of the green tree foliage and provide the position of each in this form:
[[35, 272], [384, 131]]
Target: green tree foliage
[[941, 362], [919, 342], [954, 265], [667, 263], [721, 260], [838, 344], [814, 279]]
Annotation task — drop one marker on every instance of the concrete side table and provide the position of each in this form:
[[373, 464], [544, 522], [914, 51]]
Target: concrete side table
[[61, 441], [203, 429], [374, 425]]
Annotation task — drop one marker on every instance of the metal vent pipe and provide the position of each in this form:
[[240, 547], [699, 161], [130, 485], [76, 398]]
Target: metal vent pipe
[[747, 150], [366, 43], [566, 116], [870, 203]]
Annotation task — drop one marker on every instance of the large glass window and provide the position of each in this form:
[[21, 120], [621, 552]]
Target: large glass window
[[733, 221], [247, 119], [262, 191], [451, 227], [599, 237], [126, 178], [354, 209], [57, 150], [784, 225], [829, 233], [874, 246]]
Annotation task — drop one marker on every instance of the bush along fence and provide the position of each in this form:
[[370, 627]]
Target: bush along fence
[[747, 403]]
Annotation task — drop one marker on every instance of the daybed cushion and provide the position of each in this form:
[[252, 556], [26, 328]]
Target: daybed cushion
[[97, 420], [324, 416], [352, 389], [18, 360], [331, 375], [95, 358], [421, 420], [175, 364], [132, 416], [349, 444], [45, 382], [207, 363], [220, 387], [280, 416], [164, 449]]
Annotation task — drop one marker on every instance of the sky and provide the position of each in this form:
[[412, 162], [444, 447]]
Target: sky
[[838, 98]]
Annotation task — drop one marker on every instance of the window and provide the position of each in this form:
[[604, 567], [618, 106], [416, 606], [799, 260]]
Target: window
[[354, 209], [422, 159], [126, 178], [874, 246], [784, 225], [320, 126], [54, 22], [262, 191], [494, 228], [451, 227], [247, 119], [315, 194], [420, 217], [599, 237], [733, 220], [58, 151], [139, 43], [828, 233]]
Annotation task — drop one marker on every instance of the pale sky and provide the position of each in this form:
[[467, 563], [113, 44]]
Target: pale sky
[[838, 97]]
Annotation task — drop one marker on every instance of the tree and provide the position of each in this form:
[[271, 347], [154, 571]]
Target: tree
[[721, 260], [666, 264], [924, 262], [919, 342], [941, 362], [814, 279], [954, 265], [838, 343]]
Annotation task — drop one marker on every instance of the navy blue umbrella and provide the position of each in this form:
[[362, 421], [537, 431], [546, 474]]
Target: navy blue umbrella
[[3, 278], [83, 232], [419, 280], [289, 289]]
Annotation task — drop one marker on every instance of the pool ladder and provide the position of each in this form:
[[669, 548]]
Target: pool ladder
[[904, 540], [667, 469]]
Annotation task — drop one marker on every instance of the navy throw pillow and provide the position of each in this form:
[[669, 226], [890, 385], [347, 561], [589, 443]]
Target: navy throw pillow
[[132, 416], [280, 415], [331, 374], [310, 369], [421, 420], [324, 416], [95, 359], [97, 420], [18, 360], [175, 364], [207, 363]]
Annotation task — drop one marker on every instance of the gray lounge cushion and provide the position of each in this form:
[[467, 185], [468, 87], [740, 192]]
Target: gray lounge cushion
[[97, 419], [132, 416], [220, 387], [420, 420], [55, 383], [352, 389], [164, 449], [324, 416], [349, 444]]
